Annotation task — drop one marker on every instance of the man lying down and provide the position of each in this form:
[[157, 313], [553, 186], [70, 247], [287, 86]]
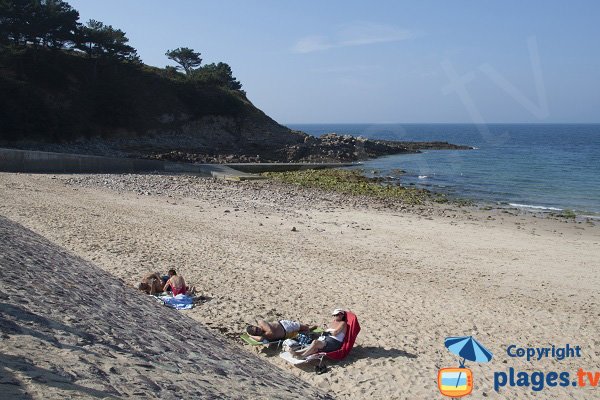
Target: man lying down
[[276, 330]]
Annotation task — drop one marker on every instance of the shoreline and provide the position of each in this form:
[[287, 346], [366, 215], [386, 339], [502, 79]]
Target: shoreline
[[348, 182], [506, 204], [412, 274]]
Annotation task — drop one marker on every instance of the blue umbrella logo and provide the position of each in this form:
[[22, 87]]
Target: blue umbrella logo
[[467, 348]]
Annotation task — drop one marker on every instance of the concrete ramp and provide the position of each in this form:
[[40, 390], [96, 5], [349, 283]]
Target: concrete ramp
[[225, 172], [13, 160]]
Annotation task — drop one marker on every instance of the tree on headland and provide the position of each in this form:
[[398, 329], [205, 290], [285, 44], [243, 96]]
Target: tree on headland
[[99, 40], [12, 21], [217, 74], [51, 23], [187, 58], [57, 23], [62, 78]]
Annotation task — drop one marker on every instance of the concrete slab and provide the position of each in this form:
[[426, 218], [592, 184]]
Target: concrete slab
[[13, 160]]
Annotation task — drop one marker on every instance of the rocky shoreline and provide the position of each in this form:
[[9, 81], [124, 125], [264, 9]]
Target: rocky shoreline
[[331, 147], [290, 195]]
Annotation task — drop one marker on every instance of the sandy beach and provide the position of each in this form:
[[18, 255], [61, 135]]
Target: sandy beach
[[412, 275]]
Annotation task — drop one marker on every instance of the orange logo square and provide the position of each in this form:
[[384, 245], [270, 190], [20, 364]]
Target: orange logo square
[[455, 382]]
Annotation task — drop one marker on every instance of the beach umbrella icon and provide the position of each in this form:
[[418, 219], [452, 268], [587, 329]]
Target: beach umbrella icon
[[458, 382], [468, 348]]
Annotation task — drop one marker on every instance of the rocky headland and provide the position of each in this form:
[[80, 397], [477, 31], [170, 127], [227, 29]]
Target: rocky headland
[[139, 111], [297, 147]]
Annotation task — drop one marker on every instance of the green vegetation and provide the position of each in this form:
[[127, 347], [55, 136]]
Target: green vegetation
[[351, 182], [463, 202], [99, 40], [187, 58], [61, 80], [355, 183], [570, 214], [218, 75], [47, 23], [53, 24]]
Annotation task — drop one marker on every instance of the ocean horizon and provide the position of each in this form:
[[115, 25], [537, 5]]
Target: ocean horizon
[[549, 167]]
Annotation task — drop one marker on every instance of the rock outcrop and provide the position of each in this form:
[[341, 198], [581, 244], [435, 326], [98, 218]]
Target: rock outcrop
[[328, 148]]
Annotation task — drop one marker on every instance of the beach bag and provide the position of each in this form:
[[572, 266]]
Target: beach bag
[[289, 344]]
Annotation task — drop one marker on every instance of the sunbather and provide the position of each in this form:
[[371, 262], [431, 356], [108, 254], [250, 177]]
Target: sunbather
[[176, 283], [276, 330], [151, 283], [331, 340]]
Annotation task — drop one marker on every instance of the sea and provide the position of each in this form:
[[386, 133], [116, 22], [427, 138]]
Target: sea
[[543, 167]]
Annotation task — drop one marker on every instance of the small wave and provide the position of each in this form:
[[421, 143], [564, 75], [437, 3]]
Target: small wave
[[423, 176], [534, 207], [594, 217]]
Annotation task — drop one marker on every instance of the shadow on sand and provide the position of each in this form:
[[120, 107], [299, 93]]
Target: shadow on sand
[[12, 387], [375, 352]]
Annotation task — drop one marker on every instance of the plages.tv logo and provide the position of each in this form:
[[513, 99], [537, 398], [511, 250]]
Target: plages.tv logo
[[458, 382]]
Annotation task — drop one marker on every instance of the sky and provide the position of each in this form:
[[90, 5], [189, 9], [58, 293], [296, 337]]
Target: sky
[[386, 61]]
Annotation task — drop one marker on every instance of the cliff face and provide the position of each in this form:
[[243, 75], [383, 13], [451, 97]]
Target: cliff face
[[64, 102]]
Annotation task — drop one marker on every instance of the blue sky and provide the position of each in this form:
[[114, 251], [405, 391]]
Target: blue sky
[[385, 61]]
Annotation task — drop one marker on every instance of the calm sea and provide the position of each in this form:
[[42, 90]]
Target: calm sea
[[535, 166]]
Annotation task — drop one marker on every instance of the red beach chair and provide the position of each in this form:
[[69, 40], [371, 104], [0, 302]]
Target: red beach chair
[[352, 331]]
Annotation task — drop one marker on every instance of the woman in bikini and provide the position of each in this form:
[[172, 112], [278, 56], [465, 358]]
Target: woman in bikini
[[177, 284]]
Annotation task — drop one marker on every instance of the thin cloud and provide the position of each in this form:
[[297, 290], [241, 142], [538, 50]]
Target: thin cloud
[[345, 69], [359, 34], [310, 44]]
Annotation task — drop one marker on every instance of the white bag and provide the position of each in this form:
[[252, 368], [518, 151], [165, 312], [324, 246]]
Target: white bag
[[290, 344]]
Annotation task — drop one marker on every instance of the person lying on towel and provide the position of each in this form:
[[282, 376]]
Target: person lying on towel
[[278, 330], [331, 340]]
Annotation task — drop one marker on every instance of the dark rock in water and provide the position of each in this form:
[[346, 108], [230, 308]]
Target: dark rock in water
[[328, 148], [333, 147]]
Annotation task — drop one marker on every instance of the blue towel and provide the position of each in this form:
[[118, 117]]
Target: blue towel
[[179, 302]]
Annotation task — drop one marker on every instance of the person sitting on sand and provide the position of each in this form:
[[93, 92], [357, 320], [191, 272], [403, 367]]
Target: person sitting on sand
[[278, 330], [151, 283], [176, 283], [331, 340]]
